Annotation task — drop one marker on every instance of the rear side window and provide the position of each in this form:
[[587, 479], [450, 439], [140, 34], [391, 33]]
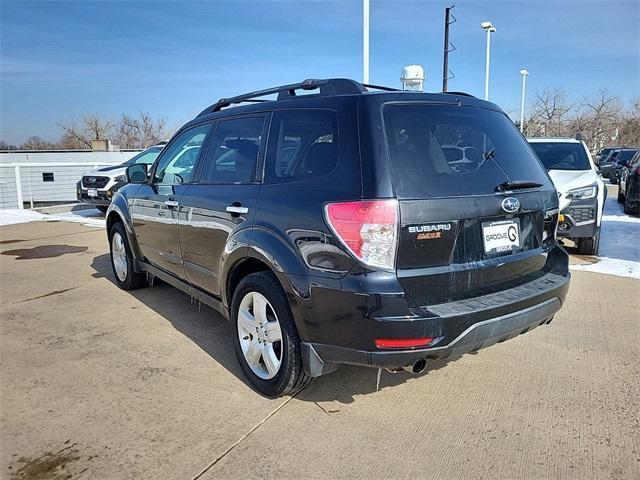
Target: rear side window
[[233, 154], [561, 155], [303, 145], [441, 151]]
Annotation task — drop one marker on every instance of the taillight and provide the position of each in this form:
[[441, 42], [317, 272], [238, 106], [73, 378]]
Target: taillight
[[637, 170], [368, 228]]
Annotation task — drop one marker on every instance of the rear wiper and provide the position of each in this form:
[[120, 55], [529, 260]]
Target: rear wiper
[[517, 185], [490, 154]]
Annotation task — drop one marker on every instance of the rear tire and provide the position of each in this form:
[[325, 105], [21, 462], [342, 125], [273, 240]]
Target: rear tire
[[289, 376], [589, 246], [122, 260], [630, 208], [620, 196]]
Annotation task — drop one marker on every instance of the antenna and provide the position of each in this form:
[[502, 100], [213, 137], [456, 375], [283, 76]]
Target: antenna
[[448, 47]]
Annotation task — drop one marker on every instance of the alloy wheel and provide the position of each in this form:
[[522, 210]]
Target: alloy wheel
[[260, 335]]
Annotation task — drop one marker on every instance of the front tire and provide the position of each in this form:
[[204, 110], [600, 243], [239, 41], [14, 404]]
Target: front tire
[[620, 196], [102, 208], [122, 260], [589, 246], [265, 336]]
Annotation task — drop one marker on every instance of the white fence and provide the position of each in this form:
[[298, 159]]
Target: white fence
[[48, 178]]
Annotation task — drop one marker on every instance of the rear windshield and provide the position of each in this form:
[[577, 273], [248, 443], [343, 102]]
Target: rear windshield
[[562, 156], [441, 151]]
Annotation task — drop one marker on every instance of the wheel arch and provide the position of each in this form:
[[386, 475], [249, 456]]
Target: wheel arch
[[119, 213]]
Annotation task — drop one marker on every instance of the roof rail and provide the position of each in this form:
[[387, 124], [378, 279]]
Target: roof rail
[[332, 86], [463, 94]]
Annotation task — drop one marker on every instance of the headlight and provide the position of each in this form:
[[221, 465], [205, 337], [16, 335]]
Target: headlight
[[121, 178], [583, 193]]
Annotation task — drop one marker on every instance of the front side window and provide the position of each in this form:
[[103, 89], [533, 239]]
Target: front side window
[[233, 155], [441, 151], [179, 159], [561, 155], [304, 145]]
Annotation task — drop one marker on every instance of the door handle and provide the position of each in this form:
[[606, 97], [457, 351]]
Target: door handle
[[171, 203], [237, 209]]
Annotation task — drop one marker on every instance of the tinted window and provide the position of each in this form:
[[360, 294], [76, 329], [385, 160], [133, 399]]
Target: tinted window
[[304, 145], [438, 151], [562, 156], [624, 156], [233, 155], [147, 157], [176, 164]]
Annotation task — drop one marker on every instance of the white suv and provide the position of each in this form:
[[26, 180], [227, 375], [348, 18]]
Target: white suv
[[98, 187], [581, 191]]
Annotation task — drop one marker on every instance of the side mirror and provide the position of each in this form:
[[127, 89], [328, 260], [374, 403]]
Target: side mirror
[[137, 173]]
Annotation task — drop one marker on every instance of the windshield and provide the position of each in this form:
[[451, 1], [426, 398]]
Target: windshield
[[147, 157], [441, 151], [562, 156]]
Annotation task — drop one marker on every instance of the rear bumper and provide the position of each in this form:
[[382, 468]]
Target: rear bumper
[[477, 322]]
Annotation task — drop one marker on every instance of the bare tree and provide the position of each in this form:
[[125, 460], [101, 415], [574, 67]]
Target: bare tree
[[37, 143], [598, 119], [141, 131], [548, 113], [629, 133], [92, 128]]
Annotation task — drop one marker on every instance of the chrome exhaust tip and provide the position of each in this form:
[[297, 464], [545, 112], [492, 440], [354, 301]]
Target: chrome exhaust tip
[[417, 367]]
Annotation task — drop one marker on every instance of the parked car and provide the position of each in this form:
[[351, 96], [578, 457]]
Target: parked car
[[581, 190], [629, 186], [98, 187], [622, 159], [330, 228], [607, 164], [603, 154]]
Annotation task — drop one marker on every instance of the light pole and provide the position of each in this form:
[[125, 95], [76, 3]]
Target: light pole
[[489, 28], [524, 74], [365, 41]]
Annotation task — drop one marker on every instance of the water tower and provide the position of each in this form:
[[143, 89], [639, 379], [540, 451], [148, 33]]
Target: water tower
[[413, 78]]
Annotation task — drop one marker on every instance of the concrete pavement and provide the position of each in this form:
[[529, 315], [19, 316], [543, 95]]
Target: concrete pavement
[[101, 383]]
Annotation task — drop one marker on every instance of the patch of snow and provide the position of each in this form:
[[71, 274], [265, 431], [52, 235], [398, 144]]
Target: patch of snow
[[612, 266], [14, 216], [619, 252], [90, 217]]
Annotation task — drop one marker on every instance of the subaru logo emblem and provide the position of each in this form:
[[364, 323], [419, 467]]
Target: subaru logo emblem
[[510, 205], [91, 179]]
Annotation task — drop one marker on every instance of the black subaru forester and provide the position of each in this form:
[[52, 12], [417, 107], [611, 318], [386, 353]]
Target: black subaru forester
[[342, 223]]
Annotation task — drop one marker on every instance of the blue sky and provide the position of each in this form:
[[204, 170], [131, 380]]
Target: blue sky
[[60, 60]]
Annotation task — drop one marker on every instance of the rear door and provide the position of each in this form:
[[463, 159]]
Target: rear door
[[465, 227], [155, 206], [223, 200]]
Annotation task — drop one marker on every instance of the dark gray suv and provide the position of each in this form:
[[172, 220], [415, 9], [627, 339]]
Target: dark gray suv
[[350, 225]]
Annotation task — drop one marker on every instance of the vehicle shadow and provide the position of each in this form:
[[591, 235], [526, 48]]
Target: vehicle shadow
[[212, 333]]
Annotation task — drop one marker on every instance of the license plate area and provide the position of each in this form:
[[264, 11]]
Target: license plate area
[[92, 192], [501, 236]]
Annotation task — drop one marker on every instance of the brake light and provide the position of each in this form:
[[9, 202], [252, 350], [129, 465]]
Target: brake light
[[402, 342], [368, 228], [638, 170]]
